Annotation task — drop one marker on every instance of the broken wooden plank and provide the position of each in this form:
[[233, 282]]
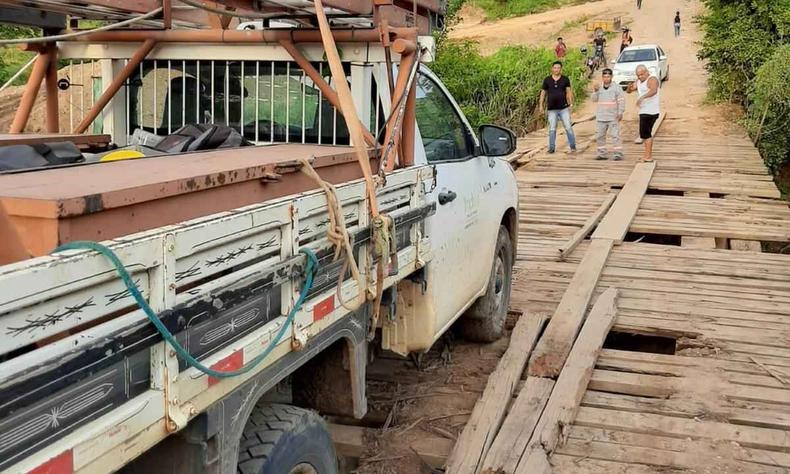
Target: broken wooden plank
[[568, 392], [616, 223], [487, 416], [591, 222], [555, 344], [746, 245], [517, 429]]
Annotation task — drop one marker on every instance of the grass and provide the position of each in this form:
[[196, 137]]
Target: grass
[[497, 9], [502, 88], [11, 57]]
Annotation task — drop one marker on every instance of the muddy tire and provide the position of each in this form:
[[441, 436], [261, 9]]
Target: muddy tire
[[282, 439], [485, 320]]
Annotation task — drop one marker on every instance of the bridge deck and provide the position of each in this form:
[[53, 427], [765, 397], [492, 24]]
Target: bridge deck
[[695, 372]]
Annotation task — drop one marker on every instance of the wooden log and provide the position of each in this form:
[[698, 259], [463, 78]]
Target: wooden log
[[569, 390], [616, 223], [555, 345], [591, 222], [487, 416]]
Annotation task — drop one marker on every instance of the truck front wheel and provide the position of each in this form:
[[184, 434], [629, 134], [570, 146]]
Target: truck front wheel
[[485, 319], [280, 439]]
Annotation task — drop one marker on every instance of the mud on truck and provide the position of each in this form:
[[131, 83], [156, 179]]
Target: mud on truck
[[202, 267]]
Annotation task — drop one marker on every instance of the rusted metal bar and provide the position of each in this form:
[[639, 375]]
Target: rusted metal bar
[[53, 112], [116, 84], [30, 93], [167, 14], [319, 81], [230, 36], [392, 134], [408, 129]]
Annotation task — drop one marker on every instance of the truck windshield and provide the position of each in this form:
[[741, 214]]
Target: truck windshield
[[636, 55], [266, 101]]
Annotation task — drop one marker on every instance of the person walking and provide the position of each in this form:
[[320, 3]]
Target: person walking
[[626, 39], [648, 87], [639, 4], [677, 24], [561, 49], [608, 114], [556, 96]]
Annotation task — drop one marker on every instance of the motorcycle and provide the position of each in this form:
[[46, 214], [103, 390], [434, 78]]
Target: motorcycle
[[590, 62]]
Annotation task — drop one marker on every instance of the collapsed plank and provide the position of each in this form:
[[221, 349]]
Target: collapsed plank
[[616, 223], [568, 392], [487, 416], [553, 348], [591, 222]]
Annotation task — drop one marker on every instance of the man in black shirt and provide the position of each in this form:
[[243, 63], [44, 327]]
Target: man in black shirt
[[557, 97]]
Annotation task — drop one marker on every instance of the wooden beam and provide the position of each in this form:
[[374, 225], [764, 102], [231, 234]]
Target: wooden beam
[[555, 344], [490, 410], [516, 431], [616, 223], [569, 390], [591, 222]]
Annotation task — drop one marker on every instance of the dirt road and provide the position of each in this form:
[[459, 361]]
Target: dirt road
[[683, 96]]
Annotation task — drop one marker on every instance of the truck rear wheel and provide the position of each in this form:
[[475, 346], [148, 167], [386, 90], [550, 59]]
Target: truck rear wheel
[[280, 439], [485, 320]]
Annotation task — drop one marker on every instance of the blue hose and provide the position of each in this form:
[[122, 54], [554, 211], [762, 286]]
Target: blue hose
[[310, 270]]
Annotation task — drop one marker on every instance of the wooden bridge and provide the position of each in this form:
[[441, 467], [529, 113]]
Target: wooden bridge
[[683, 361]]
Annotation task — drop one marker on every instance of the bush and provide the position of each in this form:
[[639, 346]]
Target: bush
[[746, 48], [12, 58], [503, 88], [768, 119]]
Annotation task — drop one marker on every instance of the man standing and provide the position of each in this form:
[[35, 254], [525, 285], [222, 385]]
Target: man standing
[[608, 114], [648, 89], [557, 97], [677, 24], [560, 50]]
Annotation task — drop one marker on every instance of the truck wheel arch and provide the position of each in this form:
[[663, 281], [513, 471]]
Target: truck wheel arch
[[510, 222]]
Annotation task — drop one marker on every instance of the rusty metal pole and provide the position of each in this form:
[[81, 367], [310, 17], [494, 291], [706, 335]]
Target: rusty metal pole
[[53, 112], [116, 84], [319, 81], [407, 50], [30, 93], [410, 114]]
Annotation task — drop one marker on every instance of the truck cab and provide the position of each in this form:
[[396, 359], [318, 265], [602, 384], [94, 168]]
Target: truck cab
[[117, 397]]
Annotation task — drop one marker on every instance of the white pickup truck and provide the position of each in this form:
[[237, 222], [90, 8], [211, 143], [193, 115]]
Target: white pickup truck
[[113, 395]]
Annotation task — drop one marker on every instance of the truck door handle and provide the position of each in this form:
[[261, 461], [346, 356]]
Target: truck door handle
[[446, 196]]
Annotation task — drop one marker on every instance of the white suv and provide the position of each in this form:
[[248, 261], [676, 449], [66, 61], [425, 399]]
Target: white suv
[[651, 55]]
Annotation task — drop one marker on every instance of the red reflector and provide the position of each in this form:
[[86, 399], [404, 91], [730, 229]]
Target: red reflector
[[232, 362], [63, 463], [323, 308]]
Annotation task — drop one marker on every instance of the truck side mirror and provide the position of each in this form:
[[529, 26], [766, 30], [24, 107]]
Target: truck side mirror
[[496, 141]]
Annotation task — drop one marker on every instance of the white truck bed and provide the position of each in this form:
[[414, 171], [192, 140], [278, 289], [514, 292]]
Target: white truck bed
[[110, 390]]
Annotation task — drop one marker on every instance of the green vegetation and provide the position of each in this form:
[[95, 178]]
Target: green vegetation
[[747, 49], [502, 88], [11, 57], [496, 9]]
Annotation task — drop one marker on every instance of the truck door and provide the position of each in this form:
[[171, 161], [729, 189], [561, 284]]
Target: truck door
[[462, 246]]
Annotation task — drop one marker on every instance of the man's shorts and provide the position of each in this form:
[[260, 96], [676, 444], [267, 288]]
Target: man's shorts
[[646, 123]]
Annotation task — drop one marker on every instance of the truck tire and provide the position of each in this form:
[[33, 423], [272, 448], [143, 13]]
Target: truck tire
[[283, 439], [485, 319]]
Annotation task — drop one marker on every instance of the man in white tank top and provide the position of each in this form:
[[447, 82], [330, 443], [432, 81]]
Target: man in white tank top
[[649, 89]]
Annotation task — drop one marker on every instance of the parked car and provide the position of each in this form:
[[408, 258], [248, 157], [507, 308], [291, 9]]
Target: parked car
[[651, 55]]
